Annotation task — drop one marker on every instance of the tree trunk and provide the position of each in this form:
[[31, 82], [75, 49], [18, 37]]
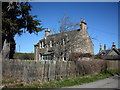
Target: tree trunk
[[12, 48], [5, 50], [8, 48]]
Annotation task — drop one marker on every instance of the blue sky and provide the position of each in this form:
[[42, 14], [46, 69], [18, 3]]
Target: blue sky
[[101, 19]]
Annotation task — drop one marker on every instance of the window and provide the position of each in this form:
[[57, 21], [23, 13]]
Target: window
[[47, 57], [41, 44], [44, 57], [65, 56], [52, 43], [44, 44]]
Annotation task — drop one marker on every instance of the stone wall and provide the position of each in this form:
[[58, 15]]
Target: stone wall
[[84, 43]]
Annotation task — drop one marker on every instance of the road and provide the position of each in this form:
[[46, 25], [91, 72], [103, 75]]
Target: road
[[111, 82]]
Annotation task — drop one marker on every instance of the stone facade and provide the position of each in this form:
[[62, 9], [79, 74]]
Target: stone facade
[[113, 51], [59, 46]]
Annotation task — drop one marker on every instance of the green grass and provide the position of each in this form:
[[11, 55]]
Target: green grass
[[7, 81], [74, 81], [24, 56]]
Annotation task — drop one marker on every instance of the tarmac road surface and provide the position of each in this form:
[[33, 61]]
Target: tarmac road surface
[[111, 82]]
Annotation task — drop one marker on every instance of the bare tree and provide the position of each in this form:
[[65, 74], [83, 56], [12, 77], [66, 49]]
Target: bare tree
[[54, 30], [67, 24], [71, 41], [67, 42]]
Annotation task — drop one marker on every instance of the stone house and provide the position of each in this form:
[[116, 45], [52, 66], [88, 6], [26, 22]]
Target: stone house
[[113, 53], [59, 46]]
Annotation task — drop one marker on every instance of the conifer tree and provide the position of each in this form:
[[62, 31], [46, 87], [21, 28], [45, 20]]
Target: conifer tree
[[16, 19]]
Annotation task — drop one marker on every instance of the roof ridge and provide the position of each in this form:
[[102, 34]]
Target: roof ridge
[[63, 32]]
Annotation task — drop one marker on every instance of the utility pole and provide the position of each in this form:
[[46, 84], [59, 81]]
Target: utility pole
[[19, 48]]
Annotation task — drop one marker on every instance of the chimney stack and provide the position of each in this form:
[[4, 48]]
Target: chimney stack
[[47, 32], [83, 25], [113, 45], [104, 46], [100, 48]]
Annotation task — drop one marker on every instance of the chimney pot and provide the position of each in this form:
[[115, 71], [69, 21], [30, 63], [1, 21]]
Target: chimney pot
[[100, 48], [47, 32], [83, 25], [104, 46], [113, 45]]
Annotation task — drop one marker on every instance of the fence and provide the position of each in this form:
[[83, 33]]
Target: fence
[[51, 70], [113, 64], [111, 57]]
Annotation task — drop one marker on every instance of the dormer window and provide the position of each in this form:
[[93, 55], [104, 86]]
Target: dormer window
[[39, 45], [42, 45]]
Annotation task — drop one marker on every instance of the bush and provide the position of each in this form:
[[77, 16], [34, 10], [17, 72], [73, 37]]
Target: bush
[[91, 66], [74, 56], [97, 57]]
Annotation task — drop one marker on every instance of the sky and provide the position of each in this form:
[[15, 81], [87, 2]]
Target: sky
[[101, 19]]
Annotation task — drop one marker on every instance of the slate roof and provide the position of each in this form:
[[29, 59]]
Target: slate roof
[[60, 34], [117, 51], [66, 32], [106, 52]]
